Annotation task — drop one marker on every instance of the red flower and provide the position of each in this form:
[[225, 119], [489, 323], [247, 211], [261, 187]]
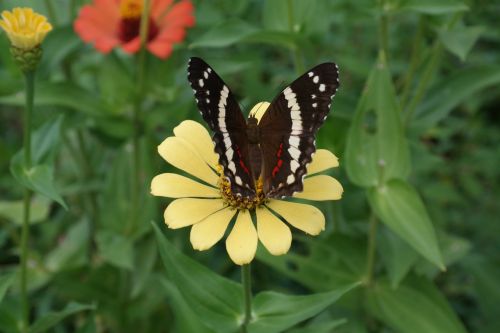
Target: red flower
[[111, 23]]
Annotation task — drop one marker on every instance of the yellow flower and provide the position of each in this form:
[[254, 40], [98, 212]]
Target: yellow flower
[[25, 28], [206, 208]]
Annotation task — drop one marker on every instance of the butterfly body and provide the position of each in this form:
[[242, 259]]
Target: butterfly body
[[275, 150]]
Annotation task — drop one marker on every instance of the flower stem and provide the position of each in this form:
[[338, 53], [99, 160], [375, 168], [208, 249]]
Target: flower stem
[[30, 92], [246, 280], [297, 57], [136, 117], [372, 247]]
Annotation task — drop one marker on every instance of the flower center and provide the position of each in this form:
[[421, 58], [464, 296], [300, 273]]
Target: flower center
[[130, 9], [240, 202], [130, 23]]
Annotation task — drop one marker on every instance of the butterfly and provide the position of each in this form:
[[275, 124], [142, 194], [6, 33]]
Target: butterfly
[[277, 148]]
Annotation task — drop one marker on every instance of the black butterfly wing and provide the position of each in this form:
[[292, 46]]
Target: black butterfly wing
[[222, 113], [288, 129]]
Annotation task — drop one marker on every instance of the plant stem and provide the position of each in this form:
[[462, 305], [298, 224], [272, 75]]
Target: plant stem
[[30, 92], [383, 33], [372, 247], [424, 82], [297, 57], [136, 117], [89, 174], [437, 51], [246, 280], [414, 61]]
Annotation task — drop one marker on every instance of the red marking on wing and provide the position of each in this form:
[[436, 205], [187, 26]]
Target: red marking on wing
[[280, 150], [277, 167], [242, 164]]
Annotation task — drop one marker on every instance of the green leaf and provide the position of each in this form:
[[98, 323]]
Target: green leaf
[[325, 265], [216, 300], [115, 249], [71, 252], [377, 150], [39, 179], [115, 84], [307, 15], [323, 327], [397, 255], [225, 34], [275, 38], [274, 312], [51, 319], [185, 319], [460, 41], [13, 210], [6, 281], [45, 141], [453, 91], [413, 309], [399, 206], [61, 94], [434, 7], [61, 42]]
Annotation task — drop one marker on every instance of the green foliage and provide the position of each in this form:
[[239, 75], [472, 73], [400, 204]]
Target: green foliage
[[411, 247], [219, 301]]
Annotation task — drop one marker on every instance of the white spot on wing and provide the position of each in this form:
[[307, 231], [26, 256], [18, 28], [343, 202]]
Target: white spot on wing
[[290, 179], [294, 141], [294, 165], [200, 82], [238, 180], [232, 167], [205, 75], [310, 74], [297, 125], [315, 105], [316, 79], [294, 153], [227, 141], [295, 109], [322, 87], [229, 154]]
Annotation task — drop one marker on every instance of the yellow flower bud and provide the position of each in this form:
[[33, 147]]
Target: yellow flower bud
[[25, 29]]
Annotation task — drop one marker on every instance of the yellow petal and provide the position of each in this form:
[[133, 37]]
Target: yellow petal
[[206, 233], [241, 244], [304, 217], [24, 28], [194, 133], [259, 109], [274, 234], [320, 188], [172, 185], [187, 211], [322, 160], [182, 155]]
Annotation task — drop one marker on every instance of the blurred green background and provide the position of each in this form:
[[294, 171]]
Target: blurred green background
[[425, 112]]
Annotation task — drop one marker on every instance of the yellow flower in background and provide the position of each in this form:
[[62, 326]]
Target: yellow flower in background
[[208, 207], [25, 28]]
